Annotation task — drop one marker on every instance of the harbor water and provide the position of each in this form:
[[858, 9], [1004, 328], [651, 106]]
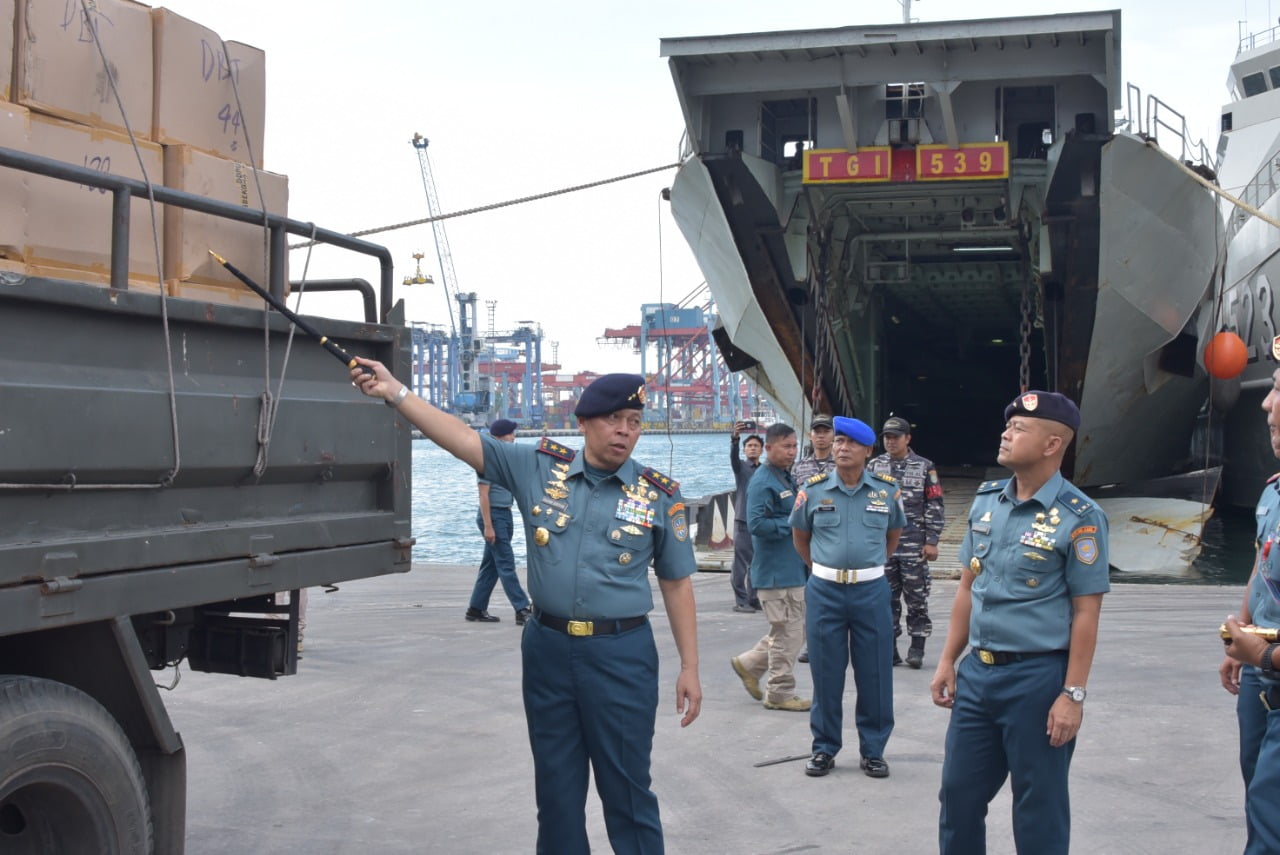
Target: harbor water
[[444, 506]]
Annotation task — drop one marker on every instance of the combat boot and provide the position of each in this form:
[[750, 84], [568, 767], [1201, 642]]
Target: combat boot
[[915, 655]]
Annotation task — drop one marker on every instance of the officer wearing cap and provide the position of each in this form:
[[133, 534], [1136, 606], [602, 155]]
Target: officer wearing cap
[[1257, 686], [845, 524], [819, 458], [594, 521], [908, 568], [1034, 571], [499, 562]]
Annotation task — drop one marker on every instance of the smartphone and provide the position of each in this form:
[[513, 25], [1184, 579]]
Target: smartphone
[[748, 424]]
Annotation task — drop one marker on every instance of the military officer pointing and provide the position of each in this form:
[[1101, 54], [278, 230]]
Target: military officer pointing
[[1035, 569], [845, 524], [594, 521]]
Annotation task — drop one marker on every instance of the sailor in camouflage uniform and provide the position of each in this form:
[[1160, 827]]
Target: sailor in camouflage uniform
[[595, 522], [908, 568]]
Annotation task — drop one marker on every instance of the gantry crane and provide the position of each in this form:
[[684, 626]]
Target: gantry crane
[[465, 392]]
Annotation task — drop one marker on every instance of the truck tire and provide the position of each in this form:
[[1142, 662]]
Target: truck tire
[[69, 780]]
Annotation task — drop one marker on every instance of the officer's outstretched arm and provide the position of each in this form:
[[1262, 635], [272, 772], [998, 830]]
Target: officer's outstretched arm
[[446, 431]]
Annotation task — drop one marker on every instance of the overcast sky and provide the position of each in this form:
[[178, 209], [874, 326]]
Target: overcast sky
[[518, 98]]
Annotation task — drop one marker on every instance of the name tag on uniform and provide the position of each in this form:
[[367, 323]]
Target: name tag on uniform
[[786, 494], [878, 508], [821, 508], [980, 528]]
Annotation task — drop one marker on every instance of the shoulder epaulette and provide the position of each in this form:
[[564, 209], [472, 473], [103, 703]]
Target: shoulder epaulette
[[662, 482], [1079, 504], [883, 477], [1272, 479], [992, 486], [814, 479], [555, 449]]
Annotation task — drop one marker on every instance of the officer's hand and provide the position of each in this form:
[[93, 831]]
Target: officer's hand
[[379, 384], [930, 552], [943, 685], [688, 695], [1064, 721], [738, 428], [1244, 646], [1229, 674], [489, 534]]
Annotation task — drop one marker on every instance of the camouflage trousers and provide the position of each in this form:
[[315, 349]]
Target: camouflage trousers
[[909, 582]]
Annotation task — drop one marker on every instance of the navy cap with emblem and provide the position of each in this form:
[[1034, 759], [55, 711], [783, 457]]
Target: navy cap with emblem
[[1053, 406], [820, 420], [855, 429], [611, 393], [502, 427], [896, 425]]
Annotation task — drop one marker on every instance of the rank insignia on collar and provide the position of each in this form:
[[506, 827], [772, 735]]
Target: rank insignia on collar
[[814, 479]]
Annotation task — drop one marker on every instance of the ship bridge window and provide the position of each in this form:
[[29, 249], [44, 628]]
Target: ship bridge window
[[904, 100], [1254, 84], [787, 129], [1274, 74]]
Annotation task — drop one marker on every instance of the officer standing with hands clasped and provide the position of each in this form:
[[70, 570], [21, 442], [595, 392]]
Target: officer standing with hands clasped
[[908, 568], [846, 524], [594, 522], [1034, 571], [1258, 688]]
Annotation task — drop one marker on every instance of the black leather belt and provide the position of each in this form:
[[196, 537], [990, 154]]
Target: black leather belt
[[587, 627], [1004, 657], [1270, 698]]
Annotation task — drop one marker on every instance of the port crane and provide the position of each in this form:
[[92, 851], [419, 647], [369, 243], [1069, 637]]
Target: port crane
[[465, 391]]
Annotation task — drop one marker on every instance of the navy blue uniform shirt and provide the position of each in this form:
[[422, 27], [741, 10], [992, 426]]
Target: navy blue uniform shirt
[[848, 525]]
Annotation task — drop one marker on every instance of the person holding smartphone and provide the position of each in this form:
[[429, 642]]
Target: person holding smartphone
[[744, 465]]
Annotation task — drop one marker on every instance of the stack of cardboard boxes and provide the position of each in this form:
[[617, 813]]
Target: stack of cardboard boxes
[[192, 130]]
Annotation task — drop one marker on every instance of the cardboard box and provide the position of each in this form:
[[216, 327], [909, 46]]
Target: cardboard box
[[59, 71], [189, 235], [48, 223], [8, 27], [196, 88]]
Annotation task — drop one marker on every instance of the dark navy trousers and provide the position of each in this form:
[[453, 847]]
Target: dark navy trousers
[[1252, 717], [592, 701], [997, 731], [740, 577], [499, 563], [843, 624]]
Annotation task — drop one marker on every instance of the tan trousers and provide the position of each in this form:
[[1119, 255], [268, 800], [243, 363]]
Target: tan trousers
[[776, 653]]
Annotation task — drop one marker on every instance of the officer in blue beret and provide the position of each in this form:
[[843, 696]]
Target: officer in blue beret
[[499, 561], [1251, 670], [595, 522], [845, 524], [1034, 571]]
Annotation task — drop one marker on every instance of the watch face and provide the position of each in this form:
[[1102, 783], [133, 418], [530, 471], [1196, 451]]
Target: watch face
[[1076, 694]]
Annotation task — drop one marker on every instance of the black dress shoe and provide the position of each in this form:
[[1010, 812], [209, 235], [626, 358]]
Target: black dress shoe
[[819, 764], [915, 656], [482, 615], [804, 657], [522, 616], [875, 767]]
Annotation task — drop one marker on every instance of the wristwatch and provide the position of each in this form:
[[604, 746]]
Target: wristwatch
[[1267, 667], [1075, 693]]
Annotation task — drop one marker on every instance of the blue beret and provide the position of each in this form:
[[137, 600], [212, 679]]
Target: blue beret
[[1053, 406], [857, 430], [611, 393], [502, 427]]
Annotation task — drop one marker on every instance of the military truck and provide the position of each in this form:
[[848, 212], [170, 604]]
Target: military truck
[[150, 518]]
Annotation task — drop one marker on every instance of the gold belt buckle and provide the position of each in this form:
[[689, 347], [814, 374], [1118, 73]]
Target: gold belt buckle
[[846, 577], [581, 627], [987, 657]]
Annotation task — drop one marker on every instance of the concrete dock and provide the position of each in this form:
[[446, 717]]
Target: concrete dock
[[403, 732]]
